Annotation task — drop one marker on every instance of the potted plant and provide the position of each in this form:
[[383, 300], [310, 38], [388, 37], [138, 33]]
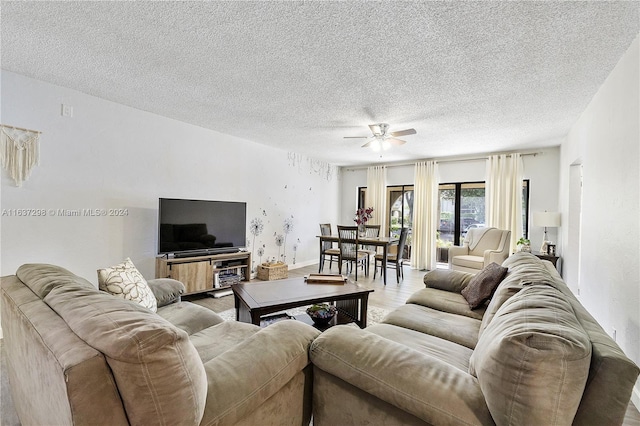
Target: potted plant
[[524, 244], [321, 313]]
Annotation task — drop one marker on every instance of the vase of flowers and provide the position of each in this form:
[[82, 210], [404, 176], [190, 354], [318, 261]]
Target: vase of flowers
[[362, 217]]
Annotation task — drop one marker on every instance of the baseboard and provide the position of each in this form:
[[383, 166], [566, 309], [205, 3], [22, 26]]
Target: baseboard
[[635, 395], [302, 264]]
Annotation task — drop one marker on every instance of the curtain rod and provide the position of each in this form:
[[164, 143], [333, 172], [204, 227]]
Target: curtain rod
[[20, 128], [443, 160]]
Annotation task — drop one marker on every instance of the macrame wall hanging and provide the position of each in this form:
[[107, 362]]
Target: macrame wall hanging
[[20, 151]]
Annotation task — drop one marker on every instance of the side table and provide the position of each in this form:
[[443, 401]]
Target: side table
[[550, 258]]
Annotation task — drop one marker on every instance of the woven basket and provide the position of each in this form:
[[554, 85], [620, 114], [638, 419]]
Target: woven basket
[[273, 271]]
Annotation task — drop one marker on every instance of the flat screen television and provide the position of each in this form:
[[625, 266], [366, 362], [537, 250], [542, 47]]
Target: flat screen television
[[190, 227]]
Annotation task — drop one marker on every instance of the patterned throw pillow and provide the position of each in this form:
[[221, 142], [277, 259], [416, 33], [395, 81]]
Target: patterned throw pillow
[[126, 282]]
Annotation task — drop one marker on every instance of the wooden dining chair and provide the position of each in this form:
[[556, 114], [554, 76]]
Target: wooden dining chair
[[349, 253], [328, 250], [394, 259], [371, 231]]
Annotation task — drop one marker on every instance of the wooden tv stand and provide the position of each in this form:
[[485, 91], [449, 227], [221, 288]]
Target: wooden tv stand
[[201, 274]]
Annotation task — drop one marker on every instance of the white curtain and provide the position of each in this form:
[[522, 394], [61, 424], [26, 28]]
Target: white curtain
[[504, 194], [377, 196], [425, 212]]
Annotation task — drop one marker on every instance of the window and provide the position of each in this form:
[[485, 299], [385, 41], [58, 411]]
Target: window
[[400, 210], [461, 206], [399, 207]]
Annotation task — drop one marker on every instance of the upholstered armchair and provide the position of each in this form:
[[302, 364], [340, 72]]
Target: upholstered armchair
[[480, 247]]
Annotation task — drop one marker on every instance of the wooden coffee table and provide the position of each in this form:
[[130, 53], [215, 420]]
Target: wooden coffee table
[[256, 299]]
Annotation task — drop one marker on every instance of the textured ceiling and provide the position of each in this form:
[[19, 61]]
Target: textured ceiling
[[470, 77]]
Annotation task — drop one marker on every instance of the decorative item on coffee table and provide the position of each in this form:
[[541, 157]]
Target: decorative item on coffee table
[[335, 279], [321, 313]]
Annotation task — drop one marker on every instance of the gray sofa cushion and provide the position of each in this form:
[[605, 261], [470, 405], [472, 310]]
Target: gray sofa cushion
[[446, 279], [455, 328], [532, 361], [42, 278], [453, 303], [523, 268], [213, 341], [166, 290], [158, 371], [189, 317], [452, 353], [425, 386]]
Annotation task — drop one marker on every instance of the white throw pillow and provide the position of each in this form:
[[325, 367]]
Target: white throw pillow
[[126, 282]]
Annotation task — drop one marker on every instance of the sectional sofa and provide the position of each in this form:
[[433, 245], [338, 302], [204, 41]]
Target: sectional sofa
[[81, 356], [531, 356]]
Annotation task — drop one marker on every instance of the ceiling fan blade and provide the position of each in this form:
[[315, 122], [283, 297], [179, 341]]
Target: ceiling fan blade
[[403, 132], [394, 141], [356, 137], [367, 144]]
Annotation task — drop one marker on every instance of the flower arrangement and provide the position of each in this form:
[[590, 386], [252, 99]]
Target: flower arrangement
[[363, 215]]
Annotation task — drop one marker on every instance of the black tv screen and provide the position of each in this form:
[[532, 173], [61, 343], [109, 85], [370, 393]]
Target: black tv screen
[[201, 226]]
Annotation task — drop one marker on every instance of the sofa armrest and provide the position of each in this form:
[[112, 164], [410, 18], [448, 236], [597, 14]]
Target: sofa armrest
[[448, 280], [424, 386], [243, 378], [166, 290], [497, 256]]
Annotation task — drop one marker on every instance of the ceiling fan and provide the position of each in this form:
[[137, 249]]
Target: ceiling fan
[[382, 139]]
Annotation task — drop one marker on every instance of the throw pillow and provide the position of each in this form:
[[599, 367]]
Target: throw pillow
[[482, 286], [126, 282]]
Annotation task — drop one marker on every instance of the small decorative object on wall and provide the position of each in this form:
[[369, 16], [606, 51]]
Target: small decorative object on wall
[[20, 151], [287, 227], [362, 217], [321, 168], [279, 242], [255, 228]]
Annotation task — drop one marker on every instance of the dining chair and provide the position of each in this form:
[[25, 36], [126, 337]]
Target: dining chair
[[349, 253], [394, 260], [371, 231], [327, 248]]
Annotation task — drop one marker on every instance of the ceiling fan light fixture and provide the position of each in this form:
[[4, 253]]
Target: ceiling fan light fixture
[[382, 139]]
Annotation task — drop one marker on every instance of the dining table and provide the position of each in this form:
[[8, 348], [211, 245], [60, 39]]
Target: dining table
[[383, 242]]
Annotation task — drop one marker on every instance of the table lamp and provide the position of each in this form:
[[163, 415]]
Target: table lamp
[[547, 220]]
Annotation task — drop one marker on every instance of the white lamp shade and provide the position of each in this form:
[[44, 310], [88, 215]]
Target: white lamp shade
[[546, 219]]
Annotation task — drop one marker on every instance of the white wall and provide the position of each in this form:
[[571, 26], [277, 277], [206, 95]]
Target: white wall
[[541, 169], [112, 156], [606, 140]]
